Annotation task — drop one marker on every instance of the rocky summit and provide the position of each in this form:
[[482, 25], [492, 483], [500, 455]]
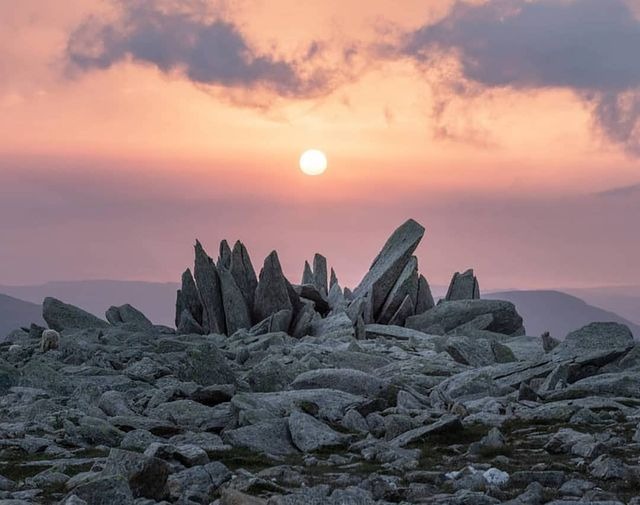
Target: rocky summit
[[270, 392]]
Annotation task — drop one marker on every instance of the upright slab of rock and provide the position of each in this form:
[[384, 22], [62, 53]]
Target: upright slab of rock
[[463, 287], [190, 297], [389, 264], [320, 273], [272, 293], [243, 273], [208, 282], [236, 311]]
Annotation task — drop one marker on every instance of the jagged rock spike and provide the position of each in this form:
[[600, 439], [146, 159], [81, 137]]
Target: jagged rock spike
[[62, 316], [127, 314], [333, 280], [307, 275], [208, 283], [236, 312], [425, 298], [190, 297], [389, 263], [463, 287], [243, 273], [406, 285], [224, 258], [179, 307], [320, 272], [272, 293]]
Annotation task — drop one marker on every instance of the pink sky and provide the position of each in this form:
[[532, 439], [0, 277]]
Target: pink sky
[[121, 140]]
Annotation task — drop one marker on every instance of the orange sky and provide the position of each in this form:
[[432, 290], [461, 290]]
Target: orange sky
[[112, 172]]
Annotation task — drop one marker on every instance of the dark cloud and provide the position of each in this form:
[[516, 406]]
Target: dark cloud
[[206, 49], [589, 46]]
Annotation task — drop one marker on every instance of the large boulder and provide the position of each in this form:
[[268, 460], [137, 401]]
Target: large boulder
[[308, 434], [128, 315], [189, 299], [596, 338], [146, 475], [405, 286], [61, 316], [269, 437], [342, 379], [389, 264], [450, 315]]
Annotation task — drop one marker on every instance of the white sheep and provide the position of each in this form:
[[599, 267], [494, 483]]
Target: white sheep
[[50, 340]]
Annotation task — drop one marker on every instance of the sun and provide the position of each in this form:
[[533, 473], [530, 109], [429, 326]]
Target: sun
[[313, 162]]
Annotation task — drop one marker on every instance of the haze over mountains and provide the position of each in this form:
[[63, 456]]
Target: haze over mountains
[[543, 310]]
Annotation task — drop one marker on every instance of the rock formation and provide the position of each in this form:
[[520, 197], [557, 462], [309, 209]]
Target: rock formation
[[270, 393]]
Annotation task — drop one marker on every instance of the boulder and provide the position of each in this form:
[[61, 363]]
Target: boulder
[[198, 484], [450, 315], [308, 434], [389, 264], [208, 282], [463, 287], [187, 324], [105, 490], [596, 338], [268, 437], [61, 316], [129, 315], [146, 475], [341, 379]]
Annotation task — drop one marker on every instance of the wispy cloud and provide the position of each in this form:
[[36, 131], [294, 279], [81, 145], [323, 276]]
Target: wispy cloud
[[622, 191], [589, 46]]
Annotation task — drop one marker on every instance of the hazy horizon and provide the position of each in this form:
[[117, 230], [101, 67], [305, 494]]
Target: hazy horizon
[[121, 141]]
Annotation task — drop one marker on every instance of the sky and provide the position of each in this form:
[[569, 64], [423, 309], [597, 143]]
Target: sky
[[509, 128]]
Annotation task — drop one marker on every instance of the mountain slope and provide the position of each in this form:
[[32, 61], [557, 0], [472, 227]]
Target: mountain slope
[[557, 312], [156, 300], [623, 300], [15, 313]]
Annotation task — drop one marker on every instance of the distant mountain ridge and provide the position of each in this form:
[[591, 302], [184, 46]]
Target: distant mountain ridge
[[543, 310], [557, 312], [15, 313], [157, 300]]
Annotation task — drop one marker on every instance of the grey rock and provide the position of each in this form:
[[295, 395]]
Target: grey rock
[[188, 325], [208, 282], [307, 275], [190, 298], [607, 468], [224, 255], [308, 434], [333, 279], [61, 316], [146, 475], [474, 352], [320, 272], [268, 437], [446, 424], [406, 309], [339, 323], [342, 379], [236, 311], [609, 385], [192, 415], [406, 286], [129, 315], [389, 264], [319, 299], [197, 484], [272, 294], [243, 273], [424, 300], [114, 403], [450, 315], [463, 287], [596, 338], [105, 490]]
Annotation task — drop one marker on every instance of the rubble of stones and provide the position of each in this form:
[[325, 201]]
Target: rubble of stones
[[282, 394]]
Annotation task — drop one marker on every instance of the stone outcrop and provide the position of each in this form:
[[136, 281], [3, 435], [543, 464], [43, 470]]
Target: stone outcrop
[[61, 316], [463, 287]]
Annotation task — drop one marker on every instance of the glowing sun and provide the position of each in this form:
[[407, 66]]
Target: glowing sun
[[313, 162]]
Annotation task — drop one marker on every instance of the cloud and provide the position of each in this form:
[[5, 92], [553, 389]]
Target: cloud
[[588, 46], [187, 39], [622, 191]]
